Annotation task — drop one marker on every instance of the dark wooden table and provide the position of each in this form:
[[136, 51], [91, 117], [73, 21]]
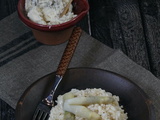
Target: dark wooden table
[[132, 26]]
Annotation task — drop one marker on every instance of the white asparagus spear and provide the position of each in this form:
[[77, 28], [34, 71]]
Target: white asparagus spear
[[89, 100], [68, 115], [81, 111], [68, 95], [74, 105]]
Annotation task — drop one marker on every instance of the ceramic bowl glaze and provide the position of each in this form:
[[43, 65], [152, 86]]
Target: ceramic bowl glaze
[[133, 98]]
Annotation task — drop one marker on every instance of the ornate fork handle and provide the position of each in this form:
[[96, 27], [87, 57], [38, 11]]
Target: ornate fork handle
[[63, 65]]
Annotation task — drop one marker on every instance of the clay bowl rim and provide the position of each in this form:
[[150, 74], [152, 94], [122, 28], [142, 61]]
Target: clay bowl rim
[[58, 27]]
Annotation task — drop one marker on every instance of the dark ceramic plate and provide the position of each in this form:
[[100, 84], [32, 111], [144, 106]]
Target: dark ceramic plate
[[134, 100]]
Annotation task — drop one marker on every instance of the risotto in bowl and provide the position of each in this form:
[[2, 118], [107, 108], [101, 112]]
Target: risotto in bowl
[[88, 104], [46, 19]]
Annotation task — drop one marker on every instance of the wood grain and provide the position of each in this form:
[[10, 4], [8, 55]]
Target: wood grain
[[132, 30], [99, 21], [150, 10], [120, 26]]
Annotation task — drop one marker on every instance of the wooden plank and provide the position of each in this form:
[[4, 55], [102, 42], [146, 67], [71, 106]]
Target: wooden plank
[[150, 10], [99, 21], [7, 7], [84, 24], [115, 30], [132, 36]]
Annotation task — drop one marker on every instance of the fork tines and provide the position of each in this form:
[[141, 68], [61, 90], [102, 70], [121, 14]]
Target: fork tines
[[42, 112]]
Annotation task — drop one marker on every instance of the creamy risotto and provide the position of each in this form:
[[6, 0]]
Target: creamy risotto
[[88, 104], [48, 12]]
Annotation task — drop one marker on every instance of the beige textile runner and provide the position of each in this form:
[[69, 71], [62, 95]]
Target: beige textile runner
[[23, 60]]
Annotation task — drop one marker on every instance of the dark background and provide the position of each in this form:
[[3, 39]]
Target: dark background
[[132, 26]]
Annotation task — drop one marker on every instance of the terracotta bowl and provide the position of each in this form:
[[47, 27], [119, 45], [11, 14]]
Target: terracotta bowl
[[134, 100], [54, 34]]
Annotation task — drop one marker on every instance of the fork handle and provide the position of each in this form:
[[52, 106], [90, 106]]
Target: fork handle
[[68, 52], [64, 62]]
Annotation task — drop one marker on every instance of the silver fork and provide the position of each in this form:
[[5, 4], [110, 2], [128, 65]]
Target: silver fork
[[43, 109]]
